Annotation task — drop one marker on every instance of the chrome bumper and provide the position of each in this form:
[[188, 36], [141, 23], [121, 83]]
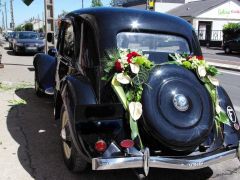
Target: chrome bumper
[[187, 163]]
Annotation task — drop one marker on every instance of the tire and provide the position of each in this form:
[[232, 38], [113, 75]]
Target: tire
[[227, 50], [72, 159], [38, 91], [15, 52]]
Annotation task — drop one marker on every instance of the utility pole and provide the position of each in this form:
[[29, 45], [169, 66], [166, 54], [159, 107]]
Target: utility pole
[[49, 22], [3, 21], [5, 4], [82, 4], [12, 15]]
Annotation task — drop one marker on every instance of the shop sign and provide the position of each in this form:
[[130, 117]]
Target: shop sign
[[228, 11]]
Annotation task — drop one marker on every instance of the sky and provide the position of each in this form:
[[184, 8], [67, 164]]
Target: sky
[[23, 12]]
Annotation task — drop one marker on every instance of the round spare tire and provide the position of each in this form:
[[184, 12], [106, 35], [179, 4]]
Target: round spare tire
[[177, 108]]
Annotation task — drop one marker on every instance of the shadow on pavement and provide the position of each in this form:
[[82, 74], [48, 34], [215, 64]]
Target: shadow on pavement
[[33, 126], [10, 52]]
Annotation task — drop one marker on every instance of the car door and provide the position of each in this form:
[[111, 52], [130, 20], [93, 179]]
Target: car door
[[234, 44], [238, 44], [66, 51]]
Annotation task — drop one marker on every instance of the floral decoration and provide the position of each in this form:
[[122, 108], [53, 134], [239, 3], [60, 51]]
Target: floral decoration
[[128, 71]]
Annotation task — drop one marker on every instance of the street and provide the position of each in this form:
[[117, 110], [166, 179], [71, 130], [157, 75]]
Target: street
[[30, 141]]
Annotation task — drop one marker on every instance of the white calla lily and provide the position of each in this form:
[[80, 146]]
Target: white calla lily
[[201, 70], [213, 80], [218, 108], [135, 109], [123, 79], [134, 68]]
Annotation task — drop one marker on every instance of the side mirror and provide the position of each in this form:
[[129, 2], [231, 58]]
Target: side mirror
[[50, 37], [52, 52]]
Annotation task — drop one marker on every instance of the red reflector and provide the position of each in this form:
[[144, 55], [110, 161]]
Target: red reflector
[[100, 146], [127, 143]]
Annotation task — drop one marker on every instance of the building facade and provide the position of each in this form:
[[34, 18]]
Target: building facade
[[206, 16]]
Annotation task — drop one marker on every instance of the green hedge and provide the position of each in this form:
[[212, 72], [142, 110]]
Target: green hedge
[[231, 30]]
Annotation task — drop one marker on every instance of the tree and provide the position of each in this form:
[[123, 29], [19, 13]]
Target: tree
[[19, 28], [230, 31], [112, 2], [96, 3], [28, 27]]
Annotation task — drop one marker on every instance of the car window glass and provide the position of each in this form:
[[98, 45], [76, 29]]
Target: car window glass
[[88, 55], [156, 46], [68, 45], [28, 35], [60, 38]]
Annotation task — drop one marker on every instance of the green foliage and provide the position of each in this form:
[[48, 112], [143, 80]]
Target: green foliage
[[8, 86], [233, 27], [187, 64], [231, 30], [212, 71], [96, 3], [17, 102], [28, 27], [19, 28]]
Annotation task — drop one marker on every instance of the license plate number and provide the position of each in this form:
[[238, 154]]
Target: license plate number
[[31, 48]]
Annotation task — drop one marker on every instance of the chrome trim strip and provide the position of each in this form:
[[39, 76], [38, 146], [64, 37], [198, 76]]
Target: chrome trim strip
[[162, 162]]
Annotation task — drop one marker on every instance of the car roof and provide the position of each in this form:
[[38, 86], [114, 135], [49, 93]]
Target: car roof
[[108, 22]]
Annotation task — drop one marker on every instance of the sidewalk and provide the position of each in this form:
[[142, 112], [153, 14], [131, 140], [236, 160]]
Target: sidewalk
[[224, 64]]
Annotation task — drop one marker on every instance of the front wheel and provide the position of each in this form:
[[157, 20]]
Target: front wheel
[[38, 91], [72, 159], [227, 50]]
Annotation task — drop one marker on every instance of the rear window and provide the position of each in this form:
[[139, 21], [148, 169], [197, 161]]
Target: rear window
[[156, 46]]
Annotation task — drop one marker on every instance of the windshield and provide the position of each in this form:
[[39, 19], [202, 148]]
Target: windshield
[[156, 46], [28, 35]]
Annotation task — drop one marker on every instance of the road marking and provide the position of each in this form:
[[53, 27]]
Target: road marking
[[230, 72]]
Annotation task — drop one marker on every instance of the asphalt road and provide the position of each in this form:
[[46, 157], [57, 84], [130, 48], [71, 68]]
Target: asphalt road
[[217, 54], [30, 141]]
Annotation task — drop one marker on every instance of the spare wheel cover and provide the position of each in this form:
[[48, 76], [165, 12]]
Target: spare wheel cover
[[177, 108]]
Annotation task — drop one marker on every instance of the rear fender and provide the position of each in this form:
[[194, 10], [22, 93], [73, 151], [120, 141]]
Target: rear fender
[[76, 90], [45, 69], [232, 132]]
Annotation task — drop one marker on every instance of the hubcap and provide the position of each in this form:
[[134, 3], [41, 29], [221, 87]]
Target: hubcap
[[64, 134], [180, 102]]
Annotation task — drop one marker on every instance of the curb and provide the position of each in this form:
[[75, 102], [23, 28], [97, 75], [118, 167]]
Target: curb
[[225, 66]]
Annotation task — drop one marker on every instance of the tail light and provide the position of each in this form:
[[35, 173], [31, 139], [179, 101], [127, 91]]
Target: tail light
[[127, 143], [100, 146]]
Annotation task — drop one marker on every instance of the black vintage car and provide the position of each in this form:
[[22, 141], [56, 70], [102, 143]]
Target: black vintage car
[[177, 127]]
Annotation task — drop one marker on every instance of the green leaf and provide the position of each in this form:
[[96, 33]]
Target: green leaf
[[130, 95], [134, 128], [223, 118], [213, 71], [120, 92], [187, 64]]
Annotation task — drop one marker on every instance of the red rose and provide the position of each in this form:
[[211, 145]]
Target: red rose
[[131, 55], [118, 66], [200, 58]]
